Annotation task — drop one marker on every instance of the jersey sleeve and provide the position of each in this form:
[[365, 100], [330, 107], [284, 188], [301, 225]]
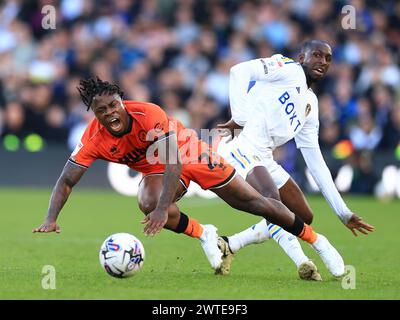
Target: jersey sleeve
[[308, 137], [84, 153], [243, 75], [322, 176]]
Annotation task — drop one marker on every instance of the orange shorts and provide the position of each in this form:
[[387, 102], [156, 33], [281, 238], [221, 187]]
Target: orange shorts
[[207, 168]]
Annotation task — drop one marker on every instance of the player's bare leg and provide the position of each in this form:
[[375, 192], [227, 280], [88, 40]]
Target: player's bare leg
[[148, 195], [242, 196], [261, 180], [293, 198]]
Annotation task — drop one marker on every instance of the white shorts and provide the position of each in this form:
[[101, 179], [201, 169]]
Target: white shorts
[[244, 158]]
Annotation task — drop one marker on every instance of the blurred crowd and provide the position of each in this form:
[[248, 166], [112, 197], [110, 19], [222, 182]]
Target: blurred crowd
[[178, 53]]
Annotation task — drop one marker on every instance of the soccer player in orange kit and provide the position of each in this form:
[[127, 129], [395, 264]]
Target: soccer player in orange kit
[[169, 156]]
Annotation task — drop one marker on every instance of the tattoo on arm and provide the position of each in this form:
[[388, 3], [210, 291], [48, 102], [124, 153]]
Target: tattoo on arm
[[172, 172], [170, 185], [70, 175]]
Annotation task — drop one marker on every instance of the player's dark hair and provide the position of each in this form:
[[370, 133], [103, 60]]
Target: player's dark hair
[[307, 45], [89, 88]]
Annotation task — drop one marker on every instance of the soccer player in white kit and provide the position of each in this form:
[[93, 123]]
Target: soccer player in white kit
[[277, 106]]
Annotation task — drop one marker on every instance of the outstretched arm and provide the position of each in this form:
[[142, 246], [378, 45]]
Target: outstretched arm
[[168, 154], [70, 175], [323, 178]]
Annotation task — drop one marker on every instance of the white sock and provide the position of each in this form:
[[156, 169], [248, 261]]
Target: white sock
[[288, 243], [257, 233]]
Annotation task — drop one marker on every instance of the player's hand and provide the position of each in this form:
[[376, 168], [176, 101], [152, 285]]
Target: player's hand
[[155, 221], [229, 129], [48, 226], [357, 223]]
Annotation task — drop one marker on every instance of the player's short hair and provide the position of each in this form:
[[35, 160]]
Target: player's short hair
[[307, 45], [89, 88]]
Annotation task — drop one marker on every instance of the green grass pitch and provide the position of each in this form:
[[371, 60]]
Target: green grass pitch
[[175, 266]]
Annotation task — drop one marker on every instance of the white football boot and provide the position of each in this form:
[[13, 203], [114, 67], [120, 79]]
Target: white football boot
[[329, 255], [209, 243]]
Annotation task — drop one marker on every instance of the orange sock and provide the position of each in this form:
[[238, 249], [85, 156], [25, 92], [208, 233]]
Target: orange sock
[[194, 229], [308, 234]]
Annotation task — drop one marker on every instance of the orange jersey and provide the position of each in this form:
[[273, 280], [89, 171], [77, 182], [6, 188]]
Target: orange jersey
[[130, 149], [149, 124]]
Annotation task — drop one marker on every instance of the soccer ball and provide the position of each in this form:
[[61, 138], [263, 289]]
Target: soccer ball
[[121, 255]]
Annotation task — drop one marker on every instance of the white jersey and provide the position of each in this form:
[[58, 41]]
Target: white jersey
[[278, 107]]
